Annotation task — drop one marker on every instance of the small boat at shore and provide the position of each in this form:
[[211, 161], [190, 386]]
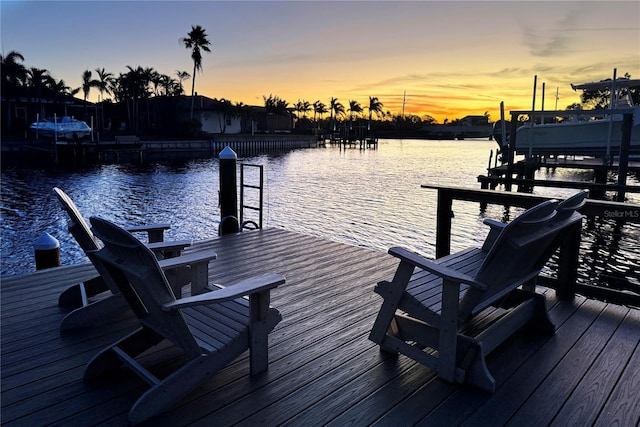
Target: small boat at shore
[[66, 128], [594, 133]]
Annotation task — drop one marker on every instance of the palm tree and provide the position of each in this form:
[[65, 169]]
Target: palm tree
[[319, 108], [375, 106], [354, 107], [14, 76], [87, 84], [336, 109], [275, 107], [182, 76], [196, 40], [38, 79], [62, 91], [270, 107], [298, 107], [306, 107], [226, 110], [134, 86], [103, 85], [302, 107], [104, 80], [282, 108], [155, 78]]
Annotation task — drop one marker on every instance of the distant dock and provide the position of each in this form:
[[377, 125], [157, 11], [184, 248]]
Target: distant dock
[[522, 174], [357, 136], [132, 149]]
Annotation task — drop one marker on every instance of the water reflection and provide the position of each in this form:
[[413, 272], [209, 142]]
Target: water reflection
[[367, 198]]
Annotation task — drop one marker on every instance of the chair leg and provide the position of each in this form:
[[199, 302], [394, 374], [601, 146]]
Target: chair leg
[[77, 295], [476, 370], [392, 331], [133, 344], [383, 323], [391, 301], [180, 383], [540, 319], [258, 332], [448, 331]]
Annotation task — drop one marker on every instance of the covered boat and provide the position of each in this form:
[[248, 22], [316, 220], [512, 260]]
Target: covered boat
[[63, 128], [583, 132]]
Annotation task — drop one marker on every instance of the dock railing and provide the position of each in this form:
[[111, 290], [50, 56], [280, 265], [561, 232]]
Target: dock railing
[[566, 283]]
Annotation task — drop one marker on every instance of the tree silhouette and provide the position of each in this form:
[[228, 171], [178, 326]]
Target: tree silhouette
[[14, 76], [62, 91], [318, 108], [103, 84], [182, 76], [336, 109], [275, 107], [375, 106], [103, 81], [302, 107], [87, 84], [354, 107], [197, 41], [38, 78]]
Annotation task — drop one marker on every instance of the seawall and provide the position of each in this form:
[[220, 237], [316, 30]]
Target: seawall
[[130, 149]]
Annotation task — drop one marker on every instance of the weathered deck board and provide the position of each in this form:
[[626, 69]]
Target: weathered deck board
[[323, 369]]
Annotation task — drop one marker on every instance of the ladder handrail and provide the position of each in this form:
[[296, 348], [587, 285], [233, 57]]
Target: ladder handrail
[[244, 223]]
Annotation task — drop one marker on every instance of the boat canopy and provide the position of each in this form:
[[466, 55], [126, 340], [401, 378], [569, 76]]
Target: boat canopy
[[607, 84]]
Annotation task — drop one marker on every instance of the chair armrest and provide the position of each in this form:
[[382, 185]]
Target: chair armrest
[[434, 268], [187, 259], [154, 231], [493, 224], [169, 249], [496, 228], [245, 287]]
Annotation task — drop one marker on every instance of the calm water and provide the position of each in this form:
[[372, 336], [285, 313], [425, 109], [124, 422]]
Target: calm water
[[367, 198]]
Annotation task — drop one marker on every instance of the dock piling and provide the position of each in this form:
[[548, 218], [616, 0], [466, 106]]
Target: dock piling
[[623, 163], [228, 192]]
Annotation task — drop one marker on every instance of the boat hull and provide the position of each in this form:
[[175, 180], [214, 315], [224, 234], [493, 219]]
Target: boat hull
[[65, 131], [588, 138]]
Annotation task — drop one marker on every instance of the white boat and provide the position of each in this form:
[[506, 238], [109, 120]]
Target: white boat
[[64, 128], [583, 132]]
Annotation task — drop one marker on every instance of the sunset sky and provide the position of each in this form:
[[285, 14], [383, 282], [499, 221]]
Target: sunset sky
[[452, 58]]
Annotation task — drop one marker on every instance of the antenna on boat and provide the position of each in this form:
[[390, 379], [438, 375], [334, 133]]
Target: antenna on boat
[[533, 108], [557, 89], [543, 91]]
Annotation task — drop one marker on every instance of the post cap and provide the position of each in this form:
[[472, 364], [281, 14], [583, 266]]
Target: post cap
[[228, 154], [46, 242]]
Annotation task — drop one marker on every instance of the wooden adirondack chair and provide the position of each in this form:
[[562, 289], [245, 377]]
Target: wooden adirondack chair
[[431, 309], [212, 328], [181, 270]]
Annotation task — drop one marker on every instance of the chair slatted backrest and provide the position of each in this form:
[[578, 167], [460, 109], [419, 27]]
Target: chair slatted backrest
[[514, 255], [135, 271], [78, 227], [566, 217]]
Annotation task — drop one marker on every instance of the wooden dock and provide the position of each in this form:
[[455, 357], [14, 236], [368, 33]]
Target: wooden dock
[[323, 369]]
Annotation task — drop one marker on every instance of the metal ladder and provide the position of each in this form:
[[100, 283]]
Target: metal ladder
[[244, 223]]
